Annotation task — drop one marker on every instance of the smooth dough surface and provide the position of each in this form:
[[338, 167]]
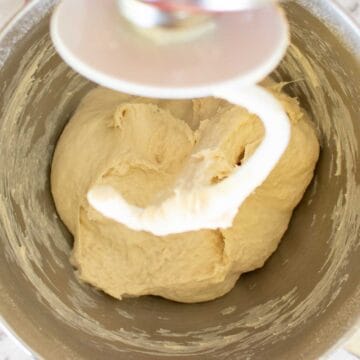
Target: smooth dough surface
[[138, 146]]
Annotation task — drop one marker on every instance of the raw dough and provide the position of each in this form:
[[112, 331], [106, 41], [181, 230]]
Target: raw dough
[[138, 146]]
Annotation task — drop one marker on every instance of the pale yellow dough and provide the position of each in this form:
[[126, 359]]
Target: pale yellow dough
[[138, 146]]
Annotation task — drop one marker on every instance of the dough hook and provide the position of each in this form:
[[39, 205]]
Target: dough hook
[[182, 49]]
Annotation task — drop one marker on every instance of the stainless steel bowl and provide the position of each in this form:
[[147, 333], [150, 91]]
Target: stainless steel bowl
[[304, 300]]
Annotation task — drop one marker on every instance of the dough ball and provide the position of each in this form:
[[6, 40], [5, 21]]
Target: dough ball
[[139, 146]]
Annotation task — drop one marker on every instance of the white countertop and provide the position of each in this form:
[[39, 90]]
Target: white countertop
[[9, 350]]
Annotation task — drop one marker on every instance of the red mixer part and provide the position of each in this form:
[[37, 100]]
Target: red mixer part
[[206, 5]]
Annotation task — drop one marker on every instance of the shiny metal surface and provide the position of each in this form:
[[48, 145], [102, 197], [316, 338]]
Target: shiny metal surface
[[178, 13], [302, 303], [148, 15], [207, 5]]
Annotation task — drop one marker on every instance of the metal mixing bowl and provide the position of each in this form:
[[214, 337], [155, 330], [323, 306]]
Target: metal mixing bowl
[[304, 300]]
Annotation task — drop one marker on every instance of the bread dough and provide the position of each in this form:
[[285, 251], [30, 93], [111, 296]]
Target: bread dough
[[195, 201], [138, 146]]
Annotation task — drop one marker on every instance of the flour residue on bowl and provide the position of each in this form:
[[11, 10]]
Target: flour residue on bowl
[[38, 244]]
